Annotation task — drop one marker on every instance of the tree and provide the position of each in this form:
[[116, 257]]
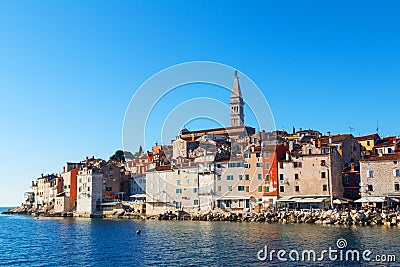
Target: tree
[[118, 156]]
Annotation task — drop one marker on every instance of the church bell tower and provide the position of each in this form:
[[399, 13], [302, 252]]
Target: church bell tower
[[236, 104]]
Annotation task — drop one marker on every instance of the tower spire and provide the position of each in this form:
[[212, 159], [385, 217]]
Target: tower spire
[[236, 103]]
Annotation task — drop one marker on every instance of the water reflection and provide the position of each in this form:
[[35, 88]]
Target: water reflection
[[94, 242]]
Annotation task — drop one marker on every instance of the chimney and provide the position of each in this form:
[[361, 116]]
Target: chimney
[[288, 155], [352, 166], [330, 138], [192, 137]]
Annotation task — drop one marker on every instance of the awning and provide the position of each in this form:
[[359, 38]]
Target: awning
[[311, 200], [305, 199], [341, 200], [110, 203], [370, 199], [138, 195], [232, 198], [285, 199]]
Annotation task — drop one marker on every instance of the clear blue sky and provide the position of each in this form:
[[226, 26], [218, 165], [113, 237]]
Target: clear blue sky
[[68, 69]]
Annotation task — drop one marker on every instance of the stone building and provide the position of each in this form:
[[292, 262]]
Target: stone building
[[89, 195], [171, 189], [380, 180], [347, 146], [115, 182], [310, 176]]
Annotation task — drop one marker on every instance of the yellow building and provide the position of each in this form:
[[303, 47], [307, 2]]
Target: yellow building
[[368, 142]]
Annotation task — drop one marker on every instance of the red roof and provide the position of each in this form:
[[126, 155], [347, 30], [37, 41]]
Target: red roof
[[368, 137]]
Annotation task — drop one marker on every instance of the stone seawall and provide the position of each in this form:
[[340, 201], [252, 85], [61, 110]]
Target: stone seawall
[[343, 217], [336, 217]]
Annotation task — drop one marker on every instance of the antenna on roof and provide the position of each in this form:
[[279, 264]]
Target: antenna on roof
[[377, 126], [351, 129]]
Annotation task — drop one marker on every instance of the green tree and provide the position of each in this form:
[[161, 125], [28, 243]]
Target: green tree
[[118, 156]]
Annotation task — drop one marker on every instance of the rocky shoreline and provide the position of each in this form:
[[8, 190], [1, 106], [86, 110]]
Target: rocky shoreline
[[335, 217]]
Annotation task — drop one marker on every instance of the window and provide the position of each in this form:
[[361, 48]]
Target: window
[[247, 177], [178, 182], [324, 187], [218, 177], [258, 154], [323, 174], [260, 188], [259, 164], [296, 164], [370, 174], [266, 155], [259, 176], [219, 188], [309, 151], [396, 187], [108, 188], [246, 156], [88, 189], [267, 177], [247, 165], [111, 173], [281, 177], [230, 188], [247, 188], [396, 173], [325, 150], [240, 188], [346, 179], [267, 166], [323, 162], [297, 188], [196, 202], [267, 189], [178, 191], [195, 181], [368, 143], [282, 189], [194, 190], [281, 165], [218, 165], [370, 187], [296, 176], [229, 177], [187, 181], [240, 177]]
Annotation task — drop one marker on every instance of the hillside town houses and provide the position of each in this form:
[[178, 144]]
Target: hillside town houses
[[233, 168]]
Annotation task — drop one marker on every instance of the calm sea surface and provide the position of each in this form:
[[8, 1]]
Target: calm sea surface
[[29, 241]]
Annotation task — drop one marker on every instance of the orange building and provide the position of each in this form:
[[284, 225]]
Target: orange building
[[270, 156]]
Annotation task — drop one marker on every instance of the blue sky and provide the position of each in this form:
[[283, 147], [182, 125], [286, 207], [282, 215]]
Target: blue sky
[[68, 69]]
